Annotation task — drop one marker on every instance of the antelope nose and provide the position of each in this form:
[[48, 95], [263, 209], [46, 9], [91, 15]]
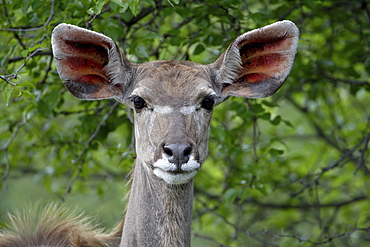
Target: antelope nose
[[178, 153]]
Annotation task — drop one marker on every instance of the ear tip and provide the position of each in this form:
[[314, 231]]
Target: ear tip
[[289, 26], [65, 31], [286, 22], [62, 25], [61, 28]]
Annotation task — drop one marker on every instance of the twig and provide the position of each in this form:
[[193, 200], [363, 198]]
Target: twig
[[254, 235], [36, 28], [5, 148], [7, 78], [346, 156], [348, 81], [326, 239], [208, 239], [361, 160], [304, 206], [79, 160], [18, 58]]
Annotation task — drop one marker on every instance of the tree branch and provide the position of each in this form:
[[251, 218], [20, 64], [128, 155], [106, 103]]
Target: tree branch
[[38, 53], [305, 206], [79, 160]]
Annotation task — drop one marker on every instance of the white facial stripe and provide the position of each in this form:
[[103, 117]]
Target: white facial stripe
[[187, 110], [140, 90], [163, 109]]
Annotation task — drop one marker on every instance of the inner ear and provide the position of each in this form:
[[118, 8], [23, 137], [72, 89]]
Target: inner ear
[[263, 58], [258, 62], [85, 62], [89, 63]]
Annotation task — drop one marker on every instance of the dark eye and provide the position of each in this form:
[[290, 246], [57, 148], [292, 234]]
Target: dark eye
[[139, 103], [208, 103]]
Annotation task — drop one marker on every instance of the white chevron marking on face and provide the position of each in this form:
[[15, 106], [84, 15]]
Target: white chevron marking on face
[[163, 109], [187, 110]]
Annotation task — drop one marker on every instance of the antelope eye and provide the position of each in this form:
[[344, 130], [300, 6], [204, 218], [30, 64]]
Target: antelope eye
[[139, 103], [208, 103]]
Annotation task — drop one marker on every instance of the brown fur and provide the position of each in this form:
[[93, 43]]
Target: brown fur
[[55, 226]]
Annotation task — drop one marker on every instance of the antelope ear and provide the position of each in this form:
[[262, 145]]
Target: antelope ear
[[89, 64], [258, 62]]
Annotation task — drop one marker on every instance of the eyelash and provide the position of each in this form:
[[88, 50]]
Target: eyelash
[[138, 102]]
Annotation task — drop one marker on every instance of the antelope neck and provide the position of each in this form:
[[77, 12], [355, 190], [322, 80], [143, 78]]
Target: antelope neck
[[158, 214]]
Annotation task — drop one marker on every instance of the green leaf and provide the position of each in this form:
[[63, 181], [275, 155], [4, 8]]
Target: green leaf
[[276, 120], [7, 94], [199, 49], [141, 52], [98, 8], [215, 40], [123, 4], [152, 35], [134, 6], [276, 152], [269, 103], [44, 109], [265, 116], [151, 3], [230, 196], [28, 112], [288, 123], [261, 188], [256, 108], [178, 40]]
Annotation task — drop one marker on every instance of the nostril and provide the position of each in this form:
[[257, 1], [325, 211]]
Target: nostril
[[168, 151], [187, 151], [177, 153]]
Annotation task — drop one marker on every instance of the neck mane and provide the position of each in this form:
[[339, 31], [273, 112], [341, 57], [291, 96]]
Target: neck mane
[[158, 214]]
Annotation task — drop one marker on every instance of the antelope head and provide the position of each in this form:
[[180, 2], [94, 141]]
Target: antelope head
[[173, 100]]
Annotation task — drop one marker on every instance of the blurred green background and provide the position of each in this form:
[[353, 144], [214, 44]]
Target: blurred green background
[[289, 170]]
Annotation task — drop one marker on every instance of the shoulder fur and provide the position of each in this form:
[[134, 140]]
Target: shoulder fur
[[54, 226]]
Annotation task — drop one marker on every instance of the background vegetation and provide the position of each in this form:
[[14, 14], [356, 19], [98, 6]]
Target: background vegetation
[[289, 170]]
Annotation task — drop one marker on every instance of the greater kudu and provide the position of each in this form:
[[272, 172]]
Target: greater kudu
[[173, 103]]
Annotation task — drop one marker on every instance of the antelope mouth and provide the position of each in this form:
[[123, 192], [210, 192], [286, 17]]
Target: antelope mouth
[[177, 172], [173, 174]]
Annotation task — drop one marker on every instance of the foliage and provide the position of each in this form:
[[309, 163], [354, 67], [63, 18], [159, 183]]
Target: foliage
[[289, 170]]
